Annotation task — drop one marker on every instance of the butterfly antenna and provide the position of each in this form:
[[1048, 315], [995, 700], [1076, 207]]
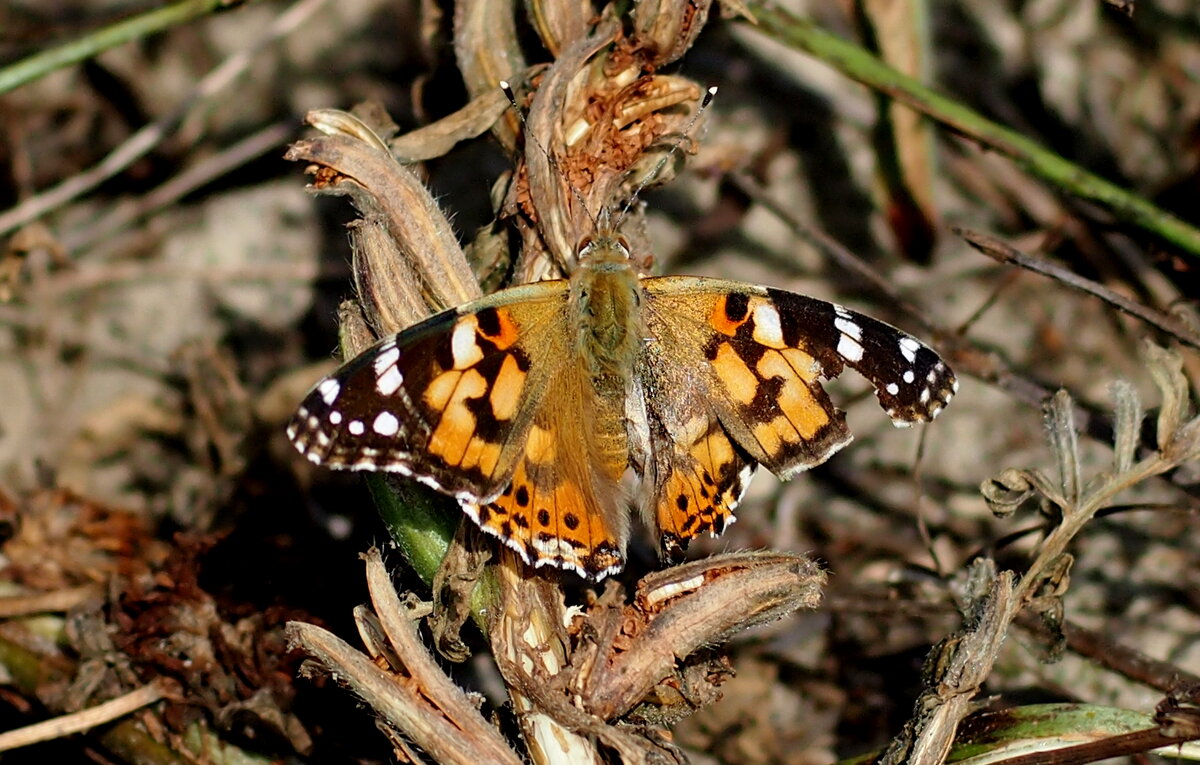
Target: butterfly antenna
[[529, 136], [709, 95]]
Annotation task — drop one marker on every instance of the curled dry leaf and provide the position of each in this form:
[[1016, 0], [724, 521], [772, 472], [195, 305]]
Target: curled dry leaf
[[424, 259], [665, 29], [678, 611], [437, 139], [487, 51], [1007, 491]]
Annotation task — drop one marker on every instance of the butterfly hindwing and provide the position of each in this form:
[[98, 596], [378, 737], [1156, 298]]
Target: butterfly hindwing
[[558, 509], [695, 478]]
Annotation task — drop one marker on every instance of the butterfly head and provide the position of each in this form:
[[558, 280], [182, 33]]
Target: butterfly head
[[604, 248]]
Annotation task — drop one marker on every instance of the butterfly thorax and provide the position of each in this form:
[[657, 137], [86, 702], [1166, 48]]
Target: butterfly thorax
[[606, 300], [605, 303]]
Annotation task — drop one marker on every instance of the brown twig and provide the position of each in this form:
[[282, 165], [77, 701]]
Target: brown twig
[[833, 249], [46, 602], [192, 178], [1005, 253], [1113, 746], [397, 620], [1128, 662], [86, 719]]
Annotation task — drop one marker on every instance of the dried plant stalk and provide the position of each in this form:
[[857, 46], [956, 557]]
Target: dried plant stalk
[[961, 663]]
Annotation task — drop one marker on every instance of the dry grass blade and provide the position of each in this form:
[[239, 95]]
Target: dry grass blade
[[84, 720], [400, 704], [399, 620], [144, 140]]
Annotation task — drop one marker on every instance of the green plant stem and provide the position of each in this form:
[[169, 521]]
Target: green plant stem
[[46, 61], [423, 523], [858, 64]]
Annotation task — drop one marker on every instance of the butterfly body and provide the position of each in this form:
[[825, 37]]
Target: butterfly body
[[531, 405]]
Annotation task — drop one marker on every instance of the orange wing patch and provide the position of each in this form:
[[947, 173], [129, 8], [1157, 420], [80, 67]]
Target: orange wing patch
[[700, 485], [474, 392], [557, 510], [780, 413]]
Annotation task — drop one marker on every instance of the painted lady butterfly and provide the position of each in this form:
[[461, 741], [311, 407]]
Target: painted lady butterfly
[[529, 405]]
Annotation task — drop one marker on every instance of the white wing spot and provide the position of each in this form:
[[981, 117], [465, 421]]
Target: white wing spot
[[463, 347], [335, 417], [744, 477], [925, 396], [893, 388], [848, 327], [386, 424], [322, 439], [389, 354], [356, 428], [388, 382], [766, 326], [329, 390], [909, 377], [313, 422], [909, 348], [849, 349], [931, 376]]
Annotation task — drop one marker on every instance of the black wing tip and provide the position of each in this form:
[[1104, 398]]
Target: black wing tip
[[921, 398]]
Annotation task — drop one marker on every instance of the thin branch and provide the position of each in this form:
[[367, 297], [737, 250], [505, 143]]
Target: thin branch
[[859, 64], [83, 720], [1094, 646], [832, 248], [1005, 253], [54, 601], [190, 179]]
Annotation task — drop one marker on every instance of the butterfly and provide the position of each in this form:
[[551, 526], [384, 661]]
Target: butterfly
[[529, 405]]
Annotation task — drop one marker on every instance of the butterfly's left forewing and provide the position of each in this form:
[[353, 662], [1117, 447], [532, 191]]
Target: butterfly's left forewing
[[448, 401]]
